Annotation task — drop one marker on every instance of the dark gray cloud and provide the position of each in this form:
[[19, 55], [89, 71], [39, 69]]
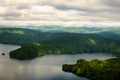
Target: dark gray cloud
[[65, 7], [112, 3], [20, 7], [11, 14]]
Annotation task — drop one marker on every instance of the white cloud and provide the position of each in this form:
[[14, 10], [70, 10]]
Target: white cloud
[[2, 10], [19, 2], [60, 12]]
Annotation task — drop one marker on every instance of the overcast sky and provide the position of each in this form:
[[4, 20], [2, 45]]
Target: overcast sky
[[60, 12]]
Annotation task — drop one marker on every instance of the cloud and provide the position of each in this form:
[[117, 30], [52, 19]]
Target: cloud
[[19, 2], [60, 12], [112, 3]]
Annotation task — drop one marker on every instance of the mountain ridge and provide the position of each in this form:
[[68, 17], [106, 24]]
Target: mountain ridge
[[56, 43]]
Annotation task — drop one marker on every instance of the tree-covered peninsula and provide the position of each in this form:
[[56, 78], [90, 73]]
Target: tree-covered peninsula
[[95, 69], [26, 52]]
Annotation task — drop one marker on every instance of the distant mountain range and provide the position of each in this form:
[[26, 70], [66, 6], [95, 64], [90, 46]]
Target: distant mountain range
[[109, 32], [59, 29]]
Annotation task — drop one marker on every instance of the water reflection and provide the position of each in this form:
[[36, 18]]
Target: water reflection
[[48, 67]]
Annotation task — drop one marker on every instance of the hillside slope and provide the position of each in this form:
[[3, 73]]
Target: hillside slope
[[41, 43]]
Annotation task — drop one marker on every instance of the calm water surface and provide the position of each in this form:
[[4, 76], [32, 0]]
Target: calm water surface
[[48, 67]]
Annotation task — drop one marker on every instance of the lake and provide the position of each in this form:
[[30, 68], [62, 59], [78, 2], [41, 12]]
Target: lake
[[48, 67]]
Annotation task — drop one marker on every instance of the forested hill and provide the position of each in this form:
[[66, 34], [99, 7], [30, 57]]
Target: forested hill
[[27, 36], [22, 36], [56, 43]]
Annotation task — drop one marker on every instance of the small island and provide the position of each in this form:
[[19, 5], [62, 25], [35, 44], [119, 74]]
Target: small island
[[3, 54]]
